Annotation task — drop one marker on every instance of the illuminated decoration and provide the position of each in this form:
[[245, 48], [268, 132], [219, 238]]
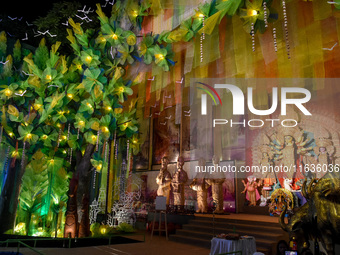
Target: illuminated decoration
[[202, 37], [122, 210], [285, 24], [94, 210], [252, 33], [8, 92], [252, 13], [274, 38], [101, 200], [265, 14]]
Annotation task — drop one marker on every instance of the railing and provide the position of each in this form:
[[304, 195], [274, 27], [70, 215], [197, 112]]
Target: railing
[[69, 240], [19, 242]]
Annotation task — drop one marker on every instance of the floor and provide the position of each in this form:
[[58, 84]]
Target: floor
[[157, 246], [240, 216]]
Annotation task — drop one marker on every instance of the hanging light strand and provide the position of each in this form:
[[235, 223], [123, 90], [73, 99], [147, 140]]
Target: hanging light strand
[[94, 177], [285, 24], [274, 37], [116, 152], [265, 14], [252, 37], [201, 40], [97, 142], [59, 136]]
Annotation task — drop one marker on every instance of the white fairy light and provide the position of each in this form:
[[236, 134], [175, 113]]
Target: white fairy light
[[274, 37], [252, 36], [97, 142], [265, 14], [59, 135], [285, 24], [94, 177], [201, 40]]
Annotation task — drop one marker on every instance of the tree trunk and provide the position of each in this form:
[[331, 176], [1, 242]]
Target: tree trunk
[[83, 168], [9, 196]]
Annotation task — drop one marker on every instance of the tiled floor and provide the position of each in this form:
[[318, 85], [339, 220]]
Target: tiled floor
[[157, 246]]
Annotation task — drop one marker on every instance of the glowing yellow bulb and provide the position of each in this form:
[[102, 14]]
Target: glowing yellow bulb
[[79, 67], [81, 123], [29, 136], [200, 15], [109, 108], [99, 167], [114, 36], [135, 13], [126, 124], [121, 89], [44, 137], [10, 134], [52, 161], [159, 56], [69, 95], [103, 231], [88, 59], [134, 141], [105, 129], [89, 105], [37, 106], [94, 137], [20, 91], [48, 77], [63, 137], [61, 112], [58, 125], [253, 12], [8, 92]]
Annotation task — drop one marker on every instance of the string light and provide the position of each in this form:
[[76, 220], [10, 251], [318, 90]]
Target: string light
[[59, 135], [202, 38], [274, 36], [97, 142], [71, 152], [106, 150], [265, 14], [94, 177], [252, 36], [127, 150], [68, 131], [116, 152], [285, 24]]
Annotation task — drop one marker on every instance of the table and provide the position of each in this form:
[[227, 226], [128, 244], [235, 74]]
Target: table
[[247, 246]]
